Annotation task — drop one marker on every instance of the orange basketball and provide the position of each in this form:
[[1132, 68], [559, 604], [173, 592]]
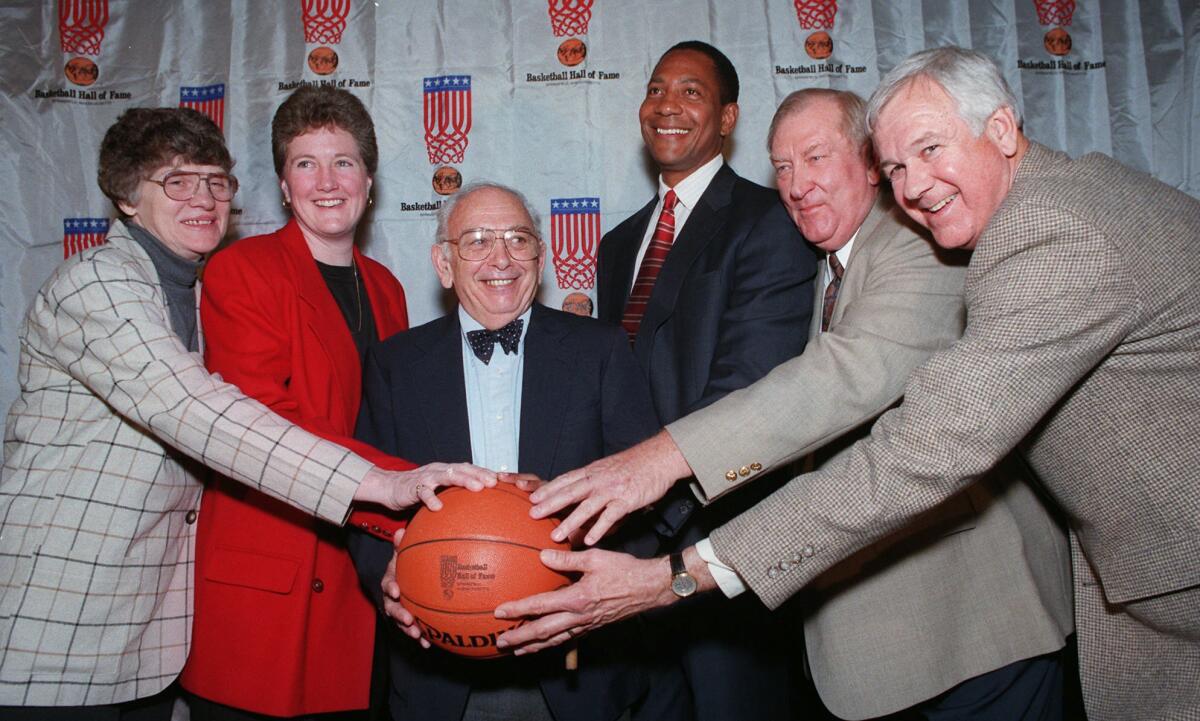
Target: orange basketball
[[454, 566]]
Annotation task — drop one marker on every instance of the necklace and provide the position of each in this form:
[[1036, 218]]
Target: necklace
[[357, 296]]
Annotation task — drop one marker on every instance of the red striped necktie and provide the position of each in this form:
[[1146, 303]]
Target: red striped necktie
[[652, 262]]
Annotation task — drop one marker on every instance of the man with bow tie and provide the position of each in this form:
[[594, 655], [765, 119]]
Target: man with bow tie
[[514, 387]]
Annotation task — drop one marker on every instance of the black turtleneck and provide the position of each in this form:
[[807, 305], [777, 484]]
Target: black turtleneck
[[177, 277]]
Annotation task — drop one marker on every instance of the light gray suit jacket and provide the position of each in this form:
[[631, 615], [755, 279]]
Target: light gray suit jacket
[[976, 584], [1081, 346], [102, 481]]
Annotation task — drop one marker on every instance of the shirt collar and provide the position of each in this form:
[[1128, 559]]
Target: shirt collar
[[689, 190], [469, 323]]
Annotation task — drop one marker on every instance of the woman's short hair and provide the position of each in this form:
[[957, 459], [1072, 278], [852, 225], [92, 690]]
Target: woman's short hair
[[311, 107], [146, 139]]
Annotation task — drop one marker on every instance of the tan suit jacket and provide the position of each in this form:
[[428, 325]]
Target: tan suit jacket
[[1081, 346], [979, 583], [102, 480]]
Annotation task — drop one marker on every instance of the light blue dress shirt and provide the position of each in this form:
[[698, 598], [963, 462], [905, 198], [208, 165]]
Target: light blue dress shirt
[[494, 399]]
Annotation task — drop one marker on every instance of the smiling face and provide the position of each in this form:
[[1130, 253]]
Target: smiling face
[[497, 289], [943, 175], [326, 183], [683, 121], [823, 178], [189, 228]]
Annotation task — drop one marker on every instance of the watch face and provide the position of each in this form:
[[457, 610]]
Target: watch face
[[683, 585]]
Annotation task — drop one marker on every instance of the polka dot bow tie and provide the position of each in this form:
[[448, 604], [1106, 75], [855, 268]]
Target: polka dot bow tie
[[484, 341]]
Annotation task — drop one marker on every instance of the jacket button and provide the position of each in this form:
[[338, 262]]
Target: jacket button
[[743, 471], [318, 585], [756, 466], [772, 572], [190, 517], [731, 475], [376, 529], [807, 551]]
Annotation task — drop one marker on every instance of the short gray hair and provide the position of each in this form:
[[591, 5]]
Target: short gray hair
[[970, 78], [853, 108], [449, 204]]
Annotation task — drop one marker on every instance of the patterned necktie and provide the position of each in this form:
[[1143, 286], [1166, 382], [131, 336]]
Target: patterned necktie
[[484, 341], [652, 262], [831, 292]]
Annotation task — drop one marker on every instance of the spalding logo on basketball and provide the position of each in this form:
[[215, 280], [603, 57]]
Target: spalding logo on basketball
[[454, 566]]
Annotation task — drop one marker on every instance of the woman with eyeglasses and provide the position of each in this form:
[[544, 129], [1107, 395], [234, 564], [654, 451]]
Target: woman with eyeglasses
[[106, 445], [282, 626]]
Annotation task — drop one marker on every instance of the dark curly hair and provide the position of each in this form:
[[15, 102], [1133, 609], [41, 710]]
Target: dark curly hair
[[311, 107], [146, 139], [727, 77]]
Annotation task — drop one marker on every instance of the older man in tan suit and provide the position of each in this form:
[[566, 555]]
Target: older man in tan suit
[[1081, 347]]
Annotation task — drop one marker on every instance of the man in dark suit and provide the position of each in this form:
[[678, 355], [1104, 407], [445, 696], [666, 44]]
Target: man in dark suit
[[713, 296], [514, 386]]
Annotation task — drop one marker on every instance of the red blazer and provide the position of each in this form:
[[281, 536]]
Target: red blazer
[[282, 626]]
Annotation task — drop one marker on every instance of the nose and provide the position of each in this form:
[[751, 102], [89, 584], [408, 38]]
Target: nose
[[203, 197], [800, 185], [916, 181], [326, 178], [499, 256]]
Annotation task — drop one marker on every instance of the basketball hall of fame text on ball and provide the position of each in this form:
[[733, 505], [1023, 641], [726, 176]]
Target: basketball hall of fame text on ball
[[1059, 14], [81, 26], [818, 15]]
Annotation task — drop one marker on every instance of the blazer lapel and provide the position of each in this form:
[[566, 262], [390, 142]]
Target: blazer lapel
[[621, 268], [853, 279], [703, 224], [441, 392], [547, 376]]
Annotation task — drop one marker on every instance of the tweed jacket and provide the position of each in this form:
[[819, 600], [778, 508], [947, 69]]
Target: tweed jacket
[[102, 481], [978, 583], [1081, 346]]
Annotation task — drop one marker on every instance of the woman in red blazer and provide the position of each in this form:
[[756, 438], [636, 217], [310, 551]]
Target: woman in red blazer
[[281, 624]]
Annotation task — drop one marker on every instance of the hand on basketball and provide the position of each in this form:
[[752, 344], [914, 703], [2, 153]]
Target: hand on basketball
[[613, 586], [420, 484], [391, 599], [528, 482], [611, 488]]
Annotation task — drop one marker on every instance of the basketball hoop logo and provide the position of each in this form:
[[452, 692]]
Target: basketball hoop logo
[[570, 17], [817, 15], [447, 110], [574, 235], [83, 233], [81, 25], [324, 20], [1058, 13], [324, 23]]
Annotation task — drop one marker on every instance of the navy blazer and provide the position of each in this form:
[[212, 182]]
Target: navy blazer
[[733, 300], [583, 398]]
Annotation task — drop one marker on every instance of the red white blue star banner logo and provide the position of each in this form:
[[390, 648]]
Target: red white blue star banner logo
[[208, 99], [574, 236], [82, 233], [447, 117]]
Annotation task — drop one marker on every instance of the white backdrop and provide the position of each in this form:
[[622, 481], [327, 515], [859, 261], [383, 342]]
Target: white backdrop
[[504, 101]]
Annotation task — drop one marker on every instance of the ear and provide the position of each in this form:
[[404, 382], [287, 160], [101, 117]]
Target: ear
[[287, 194], [1001, 128], [729, 118], [441, 265], [873, 175], [126, 208]]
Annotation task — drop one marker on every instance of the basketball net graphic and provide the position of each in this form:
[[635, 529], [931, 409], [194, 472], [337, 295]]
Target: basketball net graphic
[[448, 574], [816, 14], [81, 25], [447, 114], [1055, 12], [570, 17], [324, 20], [574, 235]]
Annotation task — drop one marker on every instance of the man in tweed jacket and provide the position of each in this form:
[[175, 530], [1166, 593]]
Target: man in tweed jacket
[[1081, 349]]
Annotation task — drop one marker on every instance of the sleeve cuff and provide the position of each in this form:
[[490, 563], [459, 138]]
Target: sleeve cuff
[[727, 579]]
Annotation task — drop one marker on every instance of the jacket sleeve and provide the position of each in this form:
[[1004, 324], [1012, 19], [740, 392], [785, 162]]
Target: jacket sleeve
[[106, 324]]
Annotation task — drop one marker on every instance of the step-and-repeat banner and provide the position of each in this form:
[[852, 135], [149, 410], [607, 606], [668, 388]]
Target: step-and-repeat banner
[[540, 94]]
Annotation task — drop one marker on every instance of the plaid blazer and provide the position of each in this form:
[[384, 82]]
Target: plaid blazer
[[105, 449], [1081, 347]]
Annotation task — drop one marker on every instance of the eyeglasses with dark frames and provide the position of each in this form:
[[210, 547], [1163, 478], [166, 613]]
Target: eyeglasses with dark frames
[[184, 184]]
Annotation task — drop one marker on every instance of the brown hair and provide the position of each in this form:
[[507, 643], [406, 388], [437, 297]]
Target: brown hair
[[145, 139], [321, 106]]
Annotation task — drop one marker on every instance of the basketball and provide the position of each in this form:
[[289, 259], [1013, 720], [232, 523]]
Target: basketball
[[454, 566]]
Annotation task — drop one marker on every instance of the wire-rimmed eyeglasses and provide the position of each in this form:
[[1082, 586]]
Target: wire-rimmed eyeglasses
[[184, 184], [477, 243]]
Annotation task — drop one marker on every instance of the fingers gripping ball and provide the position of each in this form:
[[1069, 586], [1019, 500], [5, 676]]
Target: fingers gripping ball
[[454, 566]]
